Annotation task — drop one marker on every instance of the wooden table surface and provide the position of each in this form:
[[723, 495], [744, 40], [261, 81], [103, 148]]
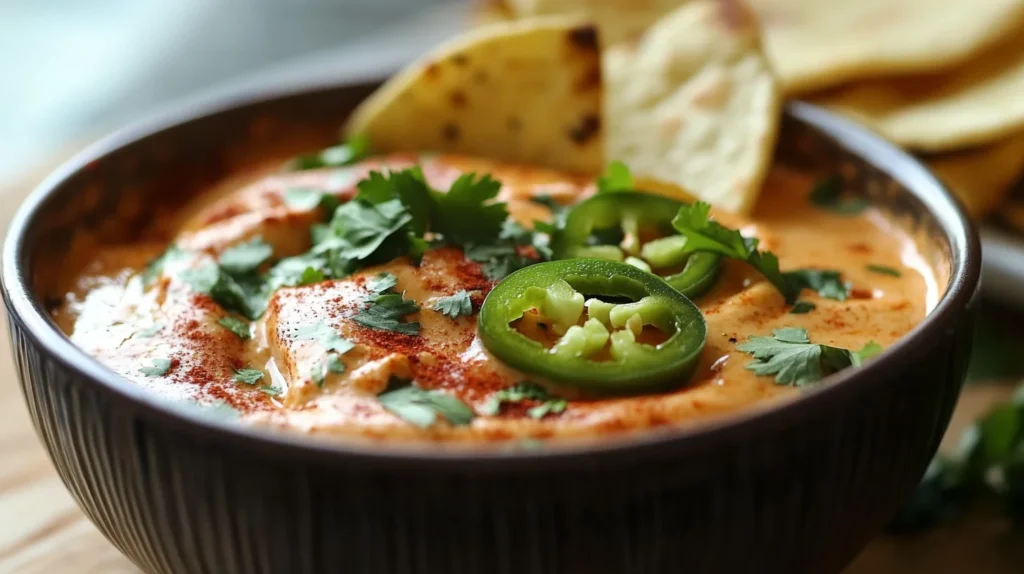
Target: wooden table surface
[[42, 531]]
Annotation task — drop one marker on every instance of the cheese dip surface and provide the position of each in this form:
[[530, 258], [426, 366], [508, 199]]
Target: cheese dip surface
[[366, 325]]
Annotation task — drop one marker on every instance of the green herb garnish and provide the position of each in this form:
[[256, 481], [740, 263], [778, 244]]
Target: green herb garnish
[[159, 368], [454, 306], [802, 307], [270, 391], [525, 391], [884, 270], [703, 234], [499, 260], [236, 326], [828, 194], [421, 407], [245, 257], [344, 154], [248, 376], [327, 337], [616, 178], [245, 294], [827, 283], [150, 331], [308, 199], [156, 267], [790, 356], [385, 313]]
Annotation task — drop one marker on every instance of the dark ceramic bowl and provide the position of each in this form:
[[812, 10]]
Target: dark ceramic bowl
[[797, 487]]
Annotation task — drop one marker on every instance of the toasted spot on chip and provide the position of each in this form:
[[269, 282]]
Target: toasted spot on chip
[[694, 104], [544, 72]]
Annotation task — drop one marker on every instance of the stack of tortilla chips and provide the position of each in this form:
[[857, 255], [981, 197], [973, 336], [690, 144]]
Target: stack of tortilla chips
[[942, 79]]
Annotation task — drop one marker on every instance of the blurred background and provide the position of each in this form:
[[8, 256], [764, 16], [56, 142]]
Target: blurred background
[[73, 70]]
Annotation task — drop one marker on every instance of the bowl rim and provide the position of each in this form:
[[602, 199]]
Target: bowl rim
[[724, 430]]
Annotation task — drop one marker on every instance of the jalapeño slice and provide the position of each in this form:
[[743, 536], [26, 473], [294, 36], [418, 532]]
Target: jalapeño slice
[[636, 227], [639, 334]]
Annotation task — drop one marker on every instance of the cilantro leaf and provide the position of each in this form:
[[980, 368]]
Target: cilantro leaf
[[616, 178], [344, 154], [802, 307], [827, 283], [382, 283], [828, 194], [703, 234], [156, 267], [236, 326], [463, 215], [327, 337], [159, 368], [308, 199], [270, 391], [362, 227], [454, 306], [243, 294], [421, 407], [385, 312], [499, 260], [245, 257], [525, 391], [790, 356], [884, 270], [248, 376], [407, 186], [303, 269]]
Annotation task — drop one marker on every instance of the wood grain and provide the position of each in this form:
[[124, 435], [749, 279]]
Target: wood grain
[[42, 531]]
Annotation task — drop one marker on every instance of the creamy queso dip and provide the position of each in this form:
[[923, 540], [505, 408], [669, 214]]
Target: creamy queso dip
[[112, 313]]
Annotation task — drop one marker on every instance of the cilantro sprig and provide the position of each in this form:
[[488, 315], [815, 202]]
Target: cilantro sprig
[[385, 310], [422, 408], [159, 368], [828, 194], [616, 178], [332, 342], [455, 305], [522, 392], [704, 234], [790, 356], [347, 153]]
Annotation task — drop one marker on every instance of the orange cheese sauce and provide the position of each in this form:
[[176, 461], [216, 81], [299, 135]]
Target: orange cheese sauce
[[113, 315]]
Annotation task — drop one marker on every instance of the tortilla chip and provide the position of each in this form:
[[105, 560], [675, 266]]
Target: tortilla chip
[[618, 20], [815, 44], [695, 104], [527, 91], [984, 176], [490, 12], [974, 104]]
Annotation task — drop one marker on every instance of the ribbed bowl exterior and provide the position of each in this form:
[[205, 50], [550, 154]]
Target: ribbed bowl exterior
[[794, 490], [797, 498]]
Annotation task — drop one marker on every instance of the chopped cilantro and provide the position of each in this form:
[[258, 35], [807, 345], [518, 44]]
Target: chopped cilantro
[[382, 283], [270, 391], [159, 368], [794, 360], [828, 194], [421, 407], [344, 154], [327, 337], [361, 227], [454, 306], [156, 267], [616, 178], [703, 234], [827, 283], [801, 307], [331, 364], [303, 269], [884, 270], [463, 215], [498, 260], [308, 199], [245, 257], [385, 311], [236, 326], [244, 294], [248, 376], [525, 391]]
